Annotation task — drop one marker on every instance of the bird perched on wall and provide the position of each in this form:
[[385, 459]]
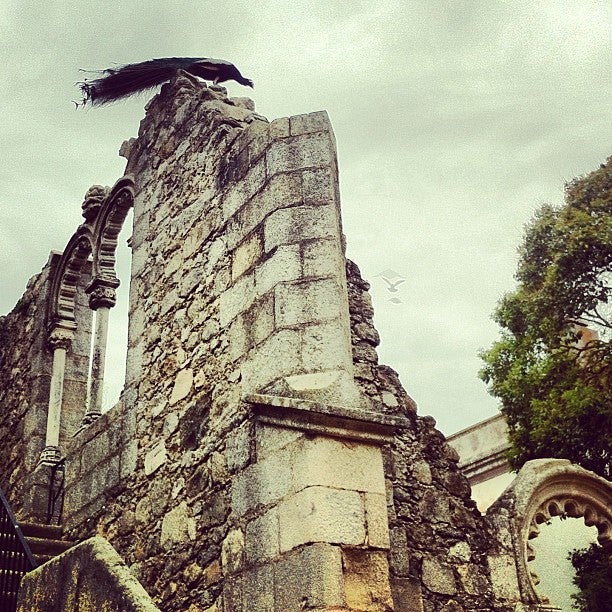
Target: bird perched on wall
[[118, 83]]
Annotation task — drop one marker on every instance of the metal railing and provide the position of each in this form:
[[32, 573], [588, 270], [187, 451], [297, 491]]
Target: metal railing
[[55, 500], [15, 557]]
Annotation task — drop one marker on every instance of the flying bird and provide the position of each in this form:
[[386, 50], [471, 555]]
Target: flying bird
[[392, 286], [118, 83]]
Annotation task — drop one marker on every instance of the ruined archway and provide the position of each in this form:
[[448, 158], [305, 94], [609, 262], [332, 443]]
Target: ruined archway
[[104, 212], [543, 489]]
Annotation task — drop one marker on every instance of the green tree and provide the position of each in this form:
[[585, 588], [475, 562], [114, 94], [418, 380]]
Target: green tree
[[593, 579], [552, 367]]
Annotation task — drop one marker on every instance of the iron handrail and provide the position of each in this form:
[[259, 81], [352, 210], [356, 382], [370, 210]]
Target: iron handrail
[[16, 558]]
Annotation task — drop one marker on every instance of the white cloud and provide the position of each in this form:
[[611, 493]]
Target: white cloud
[[454, 121]]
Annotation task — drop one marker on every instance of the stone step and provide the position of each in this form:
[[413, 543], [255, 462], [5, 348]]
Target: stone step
[[44, 541], [43, 546], [51, 532]]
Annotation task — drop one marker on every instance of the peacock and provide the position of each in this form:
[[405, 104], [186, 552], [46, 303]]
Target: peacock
[[118, 83]]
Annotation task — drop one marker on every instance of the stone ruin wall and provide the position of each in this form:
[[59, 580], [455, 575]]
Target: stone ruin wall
[[25, 369], [253, 391], [439, 541]]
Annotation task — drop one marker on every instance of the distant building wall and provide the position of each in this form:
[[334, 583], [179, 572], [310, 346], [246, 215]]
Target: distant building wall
[[481, 449]]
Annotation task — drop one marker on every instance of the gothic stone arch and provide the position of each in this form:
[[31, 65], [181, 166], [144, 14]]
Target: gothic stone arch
[[104, 211], [544, 488]]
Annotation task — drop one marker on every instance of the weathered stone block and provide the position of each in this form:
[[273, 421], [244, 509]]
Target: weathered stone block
[[278, 356], [306, 151], [399, 558], [366, 579], [263, 483], [284, 265], [182, 385], [258, 590], [261, 316], [298, 224], [238, 448], [240, 193], [282, 191], [340, 464], [155, 458], [319, 514], [326, 346], [178, 527], [105, 477], [504, 577], [407, 594], [279, 128], [236, 299], [95, 451], [104, 583], [269, 439], [438, 577], [300, 303], [140, 258], [311, 122], [320, 583], [322, 258], [262, 537], [238, 338], [376, 520], [169, 302], [232, 551], [129, 458], [319, 187], [246, 255], [472, 578]]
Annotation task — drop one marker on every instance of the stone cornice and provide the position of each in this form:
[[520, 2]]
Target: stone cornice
[[326, 419]]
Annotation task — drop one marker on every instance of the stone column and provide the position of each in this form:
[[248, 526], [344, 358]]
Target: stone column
[[59, 340], [102, 297]]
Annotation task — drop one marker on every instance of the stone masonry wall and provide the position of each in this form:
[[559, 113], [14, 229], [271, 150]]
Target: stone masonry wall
[[26, 365], [439, 541], [239, 384], [260, 458]]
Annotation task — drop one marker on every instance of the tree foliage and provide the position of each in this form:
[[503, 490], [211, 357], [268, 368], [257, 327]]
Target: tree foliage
[[552, 374], [593, 579]]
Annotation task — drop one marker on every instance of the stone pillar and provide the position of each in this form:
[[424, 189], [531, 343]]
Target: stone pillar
[[102, 297], [310, 528], [59, 340]]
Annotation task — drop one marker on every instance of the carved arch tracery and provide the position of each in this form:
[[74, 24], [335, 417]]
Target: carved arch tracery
[[105, 212], [552, 487], [66, 278], [109, 223]]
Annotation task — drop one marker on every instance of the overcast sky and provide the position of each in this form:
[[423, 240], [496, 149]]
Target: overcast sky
[[454, 120]]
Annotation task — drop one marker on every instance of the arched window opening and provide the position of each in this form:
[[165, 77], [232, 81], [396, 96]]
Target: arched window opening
[[114, 377], [85, 280], [110, 223], [551, 569]]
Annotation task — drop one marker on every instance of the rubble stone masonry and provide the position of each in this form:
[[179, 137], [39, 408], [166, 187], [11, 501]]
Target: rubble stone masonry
[[25, 372], [260, 458]]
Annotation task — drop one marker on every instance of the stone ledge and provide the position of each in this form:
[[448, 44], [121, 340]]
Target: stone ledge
[[326, 419]]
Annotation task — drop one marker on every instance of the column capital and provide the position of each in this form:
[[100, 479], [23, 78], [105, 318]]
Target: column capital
[[60, 337], [102, 292]]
